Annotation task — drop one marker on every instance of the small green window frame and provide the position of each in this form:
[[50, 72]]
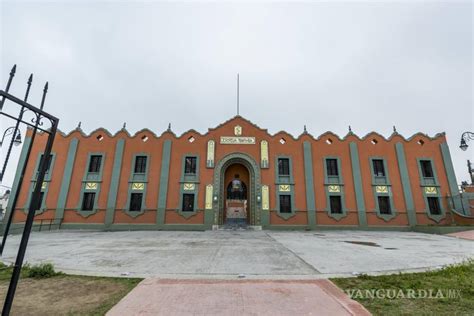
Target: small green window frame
[[287, 182], [331, 182], [383, 181], [95, 177], [431, 182], [44, 186]]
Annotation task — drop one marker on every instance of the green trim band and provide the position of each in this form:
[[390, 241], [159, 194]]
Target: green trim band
[[16, 181], [114, 182], [309, 183], [164, 176], [405, 178], [66, 181], [359, 194], [453, 184]]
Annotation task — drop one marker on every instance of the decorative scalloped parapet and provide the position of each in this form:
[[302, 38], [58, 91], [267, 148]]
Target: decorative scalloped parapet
[[277, 134]]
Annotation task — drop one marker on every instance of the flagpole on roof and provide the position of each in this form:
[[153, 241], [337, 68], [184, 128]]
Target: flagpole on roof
[[238, 94]]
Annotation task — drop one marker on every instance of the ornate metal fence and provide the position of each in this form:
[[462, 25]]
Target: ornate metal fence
[[22, 112]]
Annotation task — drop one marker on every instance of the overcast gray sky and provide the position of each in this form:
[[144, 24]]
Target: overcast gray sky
[[367, 64]]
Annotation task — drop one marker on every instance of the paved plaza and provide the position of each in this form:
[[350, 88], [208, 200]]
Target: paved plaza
[[231, 254]]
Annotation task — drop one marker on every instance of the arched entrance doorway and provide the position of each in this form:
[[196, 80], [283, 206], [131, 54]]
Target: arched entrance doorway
[[236, 183], [248, 173]]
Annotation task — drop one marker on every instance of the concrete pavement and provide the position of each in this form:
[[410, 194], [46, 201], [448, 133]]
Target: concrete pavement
[[254, 254]]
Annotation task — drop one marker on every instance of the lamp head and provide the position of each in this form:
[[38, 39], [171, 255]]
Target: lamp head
[[17, 140], [463, 145]]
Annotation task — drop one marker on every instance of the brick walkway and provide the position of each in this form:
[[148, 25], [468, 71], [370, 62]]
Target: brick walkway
[[468, 234], [240, 297]]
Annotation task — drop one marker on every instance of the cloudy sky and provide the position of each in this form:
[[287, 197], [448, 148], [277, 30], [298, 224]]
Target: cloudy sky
[[367, 64]]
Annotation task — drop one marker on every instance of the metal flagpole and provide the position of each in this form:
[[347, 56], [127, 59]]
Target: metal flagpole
[[238, 94]]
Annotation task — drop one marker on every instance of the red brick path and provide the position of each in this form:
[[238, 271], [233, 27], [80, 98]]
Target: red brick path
[[236, 297]]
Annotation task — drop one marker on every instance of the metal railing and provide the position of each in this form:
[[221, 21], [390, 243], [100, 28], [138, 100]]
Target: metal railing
[[46, 224]]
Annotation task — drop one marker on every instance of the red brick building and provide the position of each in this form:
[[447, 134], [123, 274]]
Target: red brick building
[[239, 173]]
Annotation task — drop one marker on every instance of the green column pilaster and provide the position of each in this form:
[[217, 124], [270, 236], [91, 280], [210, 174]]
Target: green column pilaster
[[66, 181], [359, 193], [309, 183], [114, 183], [164, 175], [407, 193], [16, 181], [451, 175]]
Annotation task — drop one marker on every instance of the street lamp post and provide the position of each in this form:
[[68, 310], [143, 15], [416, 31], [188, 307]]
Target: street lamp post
[[471, 171], [465, 137], [8, 131], [16, 140]]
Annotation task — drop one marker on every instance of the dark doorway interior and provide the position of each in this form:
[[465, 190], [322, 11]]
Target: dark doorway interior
[[236, 195]]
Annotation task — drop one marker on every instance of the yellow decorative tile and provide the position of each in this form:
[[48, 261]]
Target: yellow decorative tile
[[265, 198], [431, 190], [284, 188], [264, 153], [334, 189], [381, 189], [91, 185], [138, 186], [210, 151], [188, 187], [209, 189], [238, 130]]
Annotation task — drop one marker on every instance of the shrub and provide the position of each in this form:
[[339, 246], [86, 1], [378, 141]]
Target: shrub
[[40, 271]]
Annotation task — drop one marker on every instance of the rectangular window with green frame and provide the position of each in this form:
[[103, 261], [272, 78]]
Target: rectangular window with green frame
[[433, 205], [283, 166], [379, 168], [95, 163], [331, 167], [88, 201], [285, 203], [188, 202], [140, 164], [335, 204], [426, 168], [190, 165], [48, 167], [136, 202], [384, 205]]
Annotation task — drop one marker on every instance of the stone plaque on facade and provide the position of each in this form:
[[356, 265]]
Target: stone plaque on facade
[[264, 154], [210, 153], [265, 198], [284, 188], [209, 190], [44, 185], [231, 140]]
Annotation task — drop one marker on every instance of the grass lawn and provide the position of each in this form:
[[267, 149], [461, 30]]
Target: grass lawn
[[60, 294], [456, 277]]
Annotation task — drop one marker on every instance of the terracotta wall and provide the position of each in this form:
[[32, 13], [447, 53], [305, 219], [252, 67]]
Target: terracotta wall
[[416, 147]]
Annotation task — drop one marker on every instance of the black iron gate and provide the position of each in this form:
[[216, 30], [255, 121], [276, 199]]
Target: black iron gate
[[39, 121]]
